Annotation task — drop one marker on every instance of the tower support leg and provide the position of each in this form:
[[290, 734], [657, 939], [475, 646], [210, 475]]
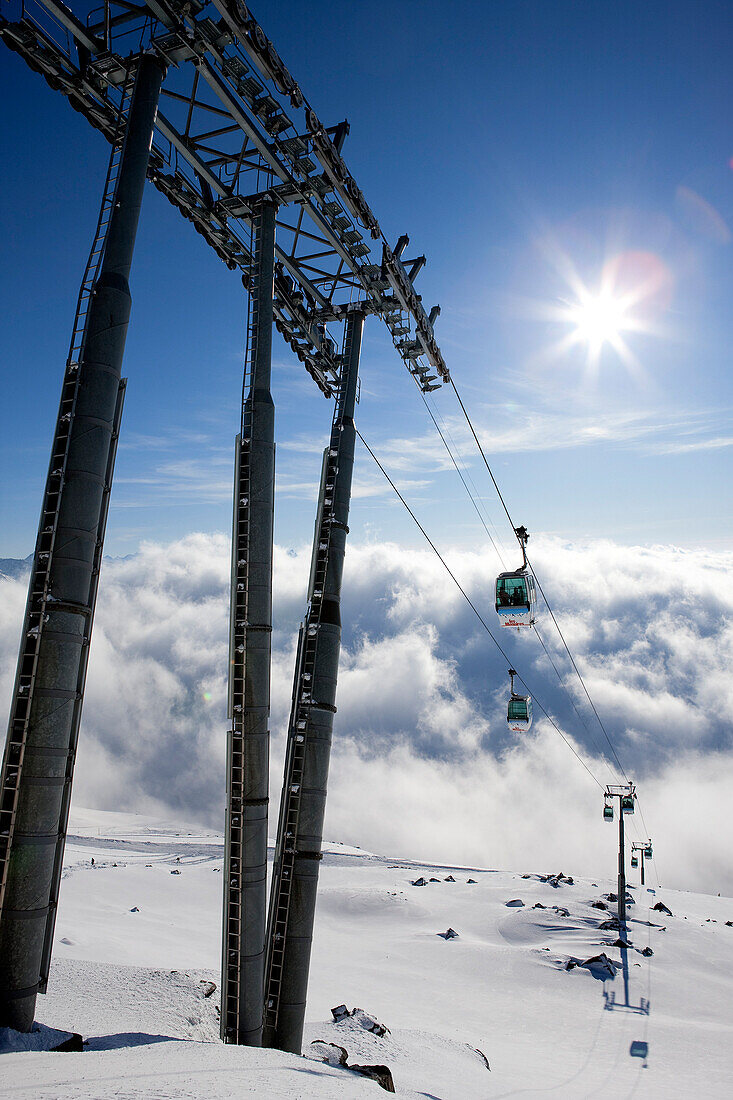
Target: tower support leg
[[41, 747], [621, 867], [300, 829], [245, 878]]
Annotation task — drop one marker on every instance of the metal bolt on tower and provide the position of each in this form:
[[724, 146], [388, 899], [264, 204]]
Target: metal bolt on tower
[[38, 765], [303, 803], [245, 866]]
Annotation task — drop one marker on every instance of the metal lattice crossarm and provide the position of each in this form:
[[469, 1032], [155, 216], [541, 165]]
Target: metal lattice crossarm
[[234, 123]]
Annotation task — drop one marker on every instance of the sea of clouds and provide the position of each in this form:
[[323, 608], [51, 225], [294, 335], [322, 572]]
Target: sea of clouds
[[423, 764]]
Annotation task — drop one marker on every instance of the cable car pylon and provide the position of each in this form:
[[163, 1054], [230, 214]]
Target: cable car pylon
[[626, 795], [645, 852]]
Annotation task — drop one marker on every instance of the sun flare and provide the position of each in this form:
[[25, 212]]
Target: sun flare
[[599, 319], [603, 319]]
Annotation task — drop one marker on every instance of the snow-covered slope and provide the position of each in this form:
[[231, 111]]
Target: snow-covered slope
[[136, 945]]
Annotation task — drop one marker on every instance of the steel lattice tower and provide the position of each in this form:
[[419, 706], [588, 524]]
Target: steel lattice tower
[[241, 153]]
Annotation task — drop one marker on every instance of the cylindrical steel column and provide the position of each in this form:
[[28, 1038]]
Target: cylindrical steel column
[[44, 781], [621, 865], [245, 879], [323, 626]]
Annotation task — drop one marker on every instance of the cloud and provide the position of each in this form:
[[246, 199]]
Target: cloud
[[519, 426], [534, 418], [366, 485], [423, 763], [715, 443]]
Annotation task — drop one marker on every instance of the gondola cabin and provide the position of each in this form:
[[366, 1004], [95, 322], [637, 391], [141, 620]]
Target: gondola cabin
[[627, 804], [516, 598], [648, 852], [634, 861], [519, 713], [608, 811]]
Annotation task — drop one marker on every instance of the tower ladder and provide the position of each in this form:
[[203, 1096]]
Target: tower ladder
[[285, 851], [38, 591], [238, 634]]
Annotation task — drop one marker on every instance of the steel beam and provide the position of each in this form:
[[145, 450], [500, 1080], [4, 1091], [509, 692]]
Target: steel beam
[[245, 877], [53, 696], [81, 33], [300, 829], [294, 149]]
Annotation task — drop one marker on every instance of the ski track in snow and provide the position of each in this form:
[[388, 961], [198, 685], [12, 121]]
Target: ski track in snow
[[135, 945]]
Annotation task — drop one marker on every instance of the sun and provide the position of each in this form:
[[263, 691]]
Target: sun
[[632, 291], [599, 319], [605, 320]]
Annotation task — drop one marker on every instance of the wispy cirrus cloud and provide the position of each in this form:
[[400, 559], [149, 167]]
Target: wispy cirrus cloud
[[176, 466], [658, 431], [520, 425], [208, 481], [713, 443], [402, 453]]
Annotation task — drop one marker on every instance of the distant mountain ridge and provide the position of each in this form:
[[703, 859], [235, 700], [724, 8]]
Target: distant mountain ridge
[[15, 567]]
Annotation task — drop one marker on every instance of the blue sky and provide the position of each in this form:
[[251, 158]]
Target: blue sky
[[512, 142]]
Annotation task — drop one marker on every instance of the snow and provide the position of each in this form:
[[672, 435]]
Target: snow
[[39, 1038], [135, 947]]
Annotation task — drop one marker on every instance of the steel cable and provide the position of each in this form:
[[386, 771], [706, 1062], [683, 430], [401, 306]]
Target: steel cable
[[572, 701], [539, 585], [460, 474], [475, 610], [544, 597]]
